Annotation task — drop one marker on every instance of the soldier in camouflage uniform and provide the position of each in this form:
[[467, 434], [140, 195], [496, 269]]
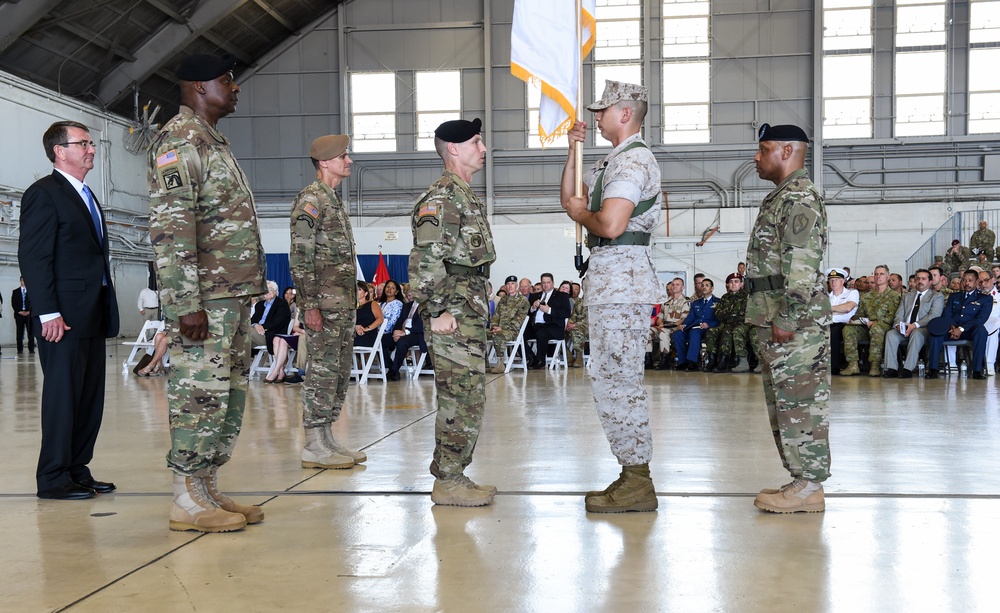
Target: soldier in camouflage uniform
[[209, 260], [322, 261], [729, 338], [983, 241], [672, 312], [449, 271], [789, 307], [578, 328], [506, 321], [878, 307], [956, 259], [621, 285]]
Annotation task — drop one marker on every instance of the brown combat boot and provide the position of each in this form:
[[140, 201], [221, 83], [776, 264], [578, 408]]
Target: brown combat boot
[[793, 498], [194, 509], [253, 514], [633, 492], [614, 484], [460, 491]]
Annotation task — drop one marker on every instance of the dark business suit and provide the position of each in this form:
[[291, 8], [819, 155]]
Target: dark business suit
[[414, 339], [23, 322], [64, 264], [969, 312], [553, 326], [277, 320]]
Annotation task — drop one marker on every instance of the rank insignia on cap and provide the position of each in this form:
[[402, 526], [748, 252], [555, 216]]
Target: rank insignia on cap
[[311, 211], [170, 157]]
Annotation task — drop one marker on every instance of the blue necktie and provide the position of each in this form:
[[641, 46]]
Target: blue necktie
[[94, 215]]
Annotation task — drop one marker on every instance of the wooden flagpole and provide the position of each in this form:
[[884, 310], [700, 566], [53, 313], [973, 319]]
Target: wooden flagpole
[[578, 260]]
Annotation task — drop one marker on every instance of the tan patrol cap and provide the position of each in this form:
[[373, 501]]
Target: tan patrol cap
[[616, 91], [329, 146]]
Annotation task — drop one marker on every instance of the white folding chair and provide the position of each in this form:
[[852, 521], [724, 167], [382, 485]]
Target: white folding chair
[[364, 359], [143, 341], [415, 366], [263, 361], [558, 359], [511, 349]]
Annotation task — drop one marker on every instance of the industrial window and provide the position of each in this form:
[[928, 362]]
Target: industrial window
[[686, 71], [984, 57], [618, 46], [920, 68], [438, 99], [373, 111], [847, 68]]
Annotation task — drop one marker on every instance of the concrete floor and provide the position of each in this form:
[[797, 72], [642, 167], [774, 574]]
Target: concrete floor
[[912, 520]]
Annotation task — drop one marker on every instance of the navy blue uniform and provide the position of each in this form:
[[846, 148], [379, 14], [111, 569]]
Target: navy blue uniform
[[687, 342], [969, 311]]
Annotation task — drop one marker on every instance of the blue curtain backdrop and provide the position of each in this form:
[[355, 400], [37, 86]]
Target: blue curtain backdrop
[[397, 264], [277, 268]]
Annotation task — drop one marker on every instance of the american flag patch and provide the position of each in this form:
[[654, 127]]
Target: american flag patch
[[170, 157], [311, 210], [428, 208]]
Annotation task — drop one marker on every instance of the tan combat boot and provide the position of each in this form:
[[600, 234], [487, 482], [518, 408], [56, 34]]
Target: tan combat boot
[[800, 495], [742, 366], [460, 491], [770, 490], [614, 484], [578, 359], [500, 368], [254, 514], [316, 455], [194, 509], [851, 370], [633, 492], [331, 444]]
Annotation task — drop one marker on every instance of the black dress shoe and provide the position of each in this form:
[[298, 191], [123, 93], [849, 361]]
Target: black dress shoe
[[978, 374], [70, 491], [906, 374], [392, 375], [892, 373], [101, 487], [932, 373]]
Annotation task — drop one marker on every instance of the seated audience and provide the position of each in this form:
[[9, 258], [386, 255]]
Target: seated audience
[[957, 258], [369, 317], [988, 286], [673, 312], [578, 331], [506, 322], [729, 339], [964, 318], [844, 303], [390, 301], [155, 367], [909, 326], [701, 318], [870, 322], [548, 313], [284, 344], [408, 332], [896, 283], [270, 316]]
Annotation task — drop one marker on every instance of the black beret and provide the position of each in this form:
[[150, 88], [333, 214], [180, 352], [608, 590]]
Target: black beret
[[458, 130], [786, 133], [939, 326], [204, 67], [510, 279]]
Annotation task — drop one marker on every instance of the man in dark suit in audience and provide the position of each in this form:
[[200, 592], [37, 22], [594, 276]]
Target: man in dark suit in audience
[[63, 255], [21, 304], [270, 316], [964, 314], [546, 320], [408, 332]]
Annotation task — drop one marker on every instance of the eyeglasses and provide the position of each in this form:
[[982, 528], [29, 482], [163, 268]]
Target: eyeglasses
[[83, 144]]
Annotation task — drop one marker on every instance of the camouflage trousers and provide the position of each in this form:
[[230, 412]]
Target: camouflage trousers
[[875, 334], [207, 388], [460, 378], [731, 339], [618, 336], [579, 335], [500, 339], [331, 351], [797, 392]]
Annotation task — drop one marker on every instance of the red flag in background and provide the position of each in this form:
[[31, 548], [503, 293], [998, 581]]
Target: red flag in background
[[381, 272]]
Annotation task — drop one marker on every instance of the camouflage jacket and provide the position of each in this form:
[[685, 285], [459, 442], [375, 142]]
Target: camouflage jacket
[[579, 315], [675, 310], [510, 313], [788, 241], [322, 257], [202, 218], [732, 308], [958, 261], [879, 307], [450, 227], [982, 241]]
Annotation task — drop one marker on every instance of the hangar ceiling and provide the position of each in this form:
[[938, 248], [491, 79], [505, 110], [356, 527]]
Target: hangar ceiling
[[112, 52]]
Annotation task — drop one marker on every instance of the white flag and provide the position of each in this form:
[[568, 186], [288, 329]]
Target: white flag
[[546, 48]]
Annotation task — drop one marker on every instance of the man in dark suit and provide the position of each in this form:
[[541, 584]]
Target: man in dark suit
[[408, 332], [964, 314], [21, 305], [547, 317], [63, 255], [270, 316]]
